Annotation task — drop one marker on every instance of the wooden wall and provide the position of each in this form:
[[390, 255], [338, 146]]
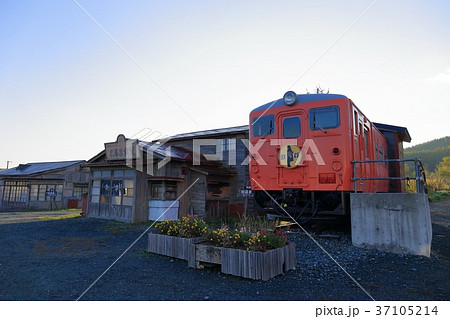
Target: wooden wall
[[197, 193], [140, 208]]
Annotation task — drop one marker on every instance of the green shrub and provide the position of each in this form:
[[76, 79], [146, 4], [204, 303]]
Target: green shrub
[[250, 235]]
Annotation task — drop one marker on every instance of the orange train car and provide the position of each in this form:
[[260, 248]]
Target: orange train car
[[302, 148]]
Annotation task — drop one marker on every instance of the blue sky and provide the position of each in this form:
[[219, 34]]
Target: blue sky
[[66, 87]]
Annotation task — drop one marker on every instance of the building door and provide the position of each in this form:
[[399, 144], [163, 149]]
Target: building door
[[217, 197], [217, 208]]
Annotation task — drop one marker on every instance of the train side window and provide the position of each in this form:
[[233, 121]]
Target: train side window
[[291, 127], [355, 117], [322, 118], [366, 143], [263, 126]]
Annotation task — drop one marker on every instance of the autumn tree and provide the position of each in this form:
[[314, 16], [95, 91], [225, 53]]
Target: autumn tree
[[443, 169]]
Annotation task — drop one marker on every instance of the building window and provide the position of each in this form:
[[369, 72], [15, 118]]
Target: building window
[[322, 118], [291, 127], [226, 144], [157, 190], [105, 190], [78, 191], [128, 188], [106, 173], [113, 187], [263, 126], [171, 191], [18, 192], [163, 190], [118, 173], [42, 190], [34, 193], [15, 192]]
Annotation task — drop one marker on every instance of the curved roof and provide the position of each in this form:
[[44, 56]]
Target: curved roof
[[301, 98]]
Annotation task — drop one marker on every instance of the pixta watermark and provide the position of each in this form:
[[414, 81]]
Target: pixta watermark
[[153, 156]]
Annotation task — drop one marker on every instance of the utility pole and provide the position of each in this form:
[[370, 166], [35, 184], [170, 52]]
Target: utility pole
[[7, 164]]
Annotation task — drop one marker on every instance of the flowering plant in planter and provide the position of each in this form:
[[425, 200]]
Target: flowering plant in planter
[[247, 238], [260, 240], [185, 227], [263, 240]]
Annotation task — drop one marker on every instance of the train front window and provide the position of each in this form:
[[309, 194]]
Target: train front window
[[291, 127], [263, 126], [322, 118]]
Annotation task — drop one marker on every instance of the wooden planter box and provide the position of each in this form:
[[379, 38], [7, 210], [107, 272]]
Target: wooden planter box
[[171, 246], [248, 264], [199, 254], [258, 265]]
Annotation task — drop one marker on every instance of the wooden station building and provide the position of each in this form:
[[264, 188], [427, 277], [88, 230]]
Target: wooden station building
[[46, 185], [182, 175]]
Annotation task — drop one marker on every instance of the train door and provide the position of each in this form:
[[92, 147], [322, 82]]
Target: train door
[[360, 148], [291, 133]]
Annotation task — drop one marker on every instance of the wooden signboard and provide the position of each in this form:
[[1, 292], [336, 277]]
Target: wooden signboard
[[118, 150]]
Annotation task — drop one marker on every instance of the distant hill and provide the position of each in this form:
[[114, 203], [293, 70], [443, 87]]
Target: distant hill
[[431, 145], [431, 153]]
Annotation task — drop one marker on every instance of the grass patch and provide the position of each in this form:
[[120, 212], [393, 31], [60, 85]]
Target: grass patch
[[68, 216], [117, 226], [439, 196]]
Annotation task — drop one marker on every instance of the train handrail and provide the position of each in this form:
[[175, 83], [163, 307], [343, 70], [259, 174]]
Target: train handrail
[[419, 172]]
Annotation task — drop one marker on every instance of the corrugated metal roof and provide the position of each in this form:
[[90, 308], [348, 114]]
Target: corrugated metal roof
[[301, 98], [163, 151], [36, 168], [220, 131]]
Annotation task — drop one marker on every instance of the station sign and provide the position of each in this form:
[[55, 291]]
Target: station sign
[[118, 150]]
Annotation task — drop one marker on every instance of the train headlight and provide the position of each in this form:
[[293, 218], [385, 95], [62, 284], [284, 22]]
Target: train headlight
[[290, 97]]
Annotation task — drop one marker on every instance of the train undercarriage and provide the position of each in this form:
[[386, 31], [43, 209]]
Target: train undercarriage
[[305, 206]]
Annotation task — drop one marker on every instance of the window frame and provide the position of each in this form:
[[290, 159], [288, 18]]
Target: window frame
[[114, 178], [258, 119], [299, 126], [165, 188], [312, 125]]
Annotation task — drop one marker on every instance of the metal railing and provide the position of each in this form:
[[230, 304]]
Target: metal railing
[[419, 172]]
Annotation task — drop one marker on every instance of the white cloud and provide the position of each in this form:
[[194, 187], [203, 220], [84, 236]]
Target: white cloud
[[441, 77]]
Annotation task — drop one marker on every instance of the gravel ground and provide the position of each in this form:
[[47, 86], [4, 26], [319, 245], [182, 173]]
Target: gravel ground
[[59, 259]]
